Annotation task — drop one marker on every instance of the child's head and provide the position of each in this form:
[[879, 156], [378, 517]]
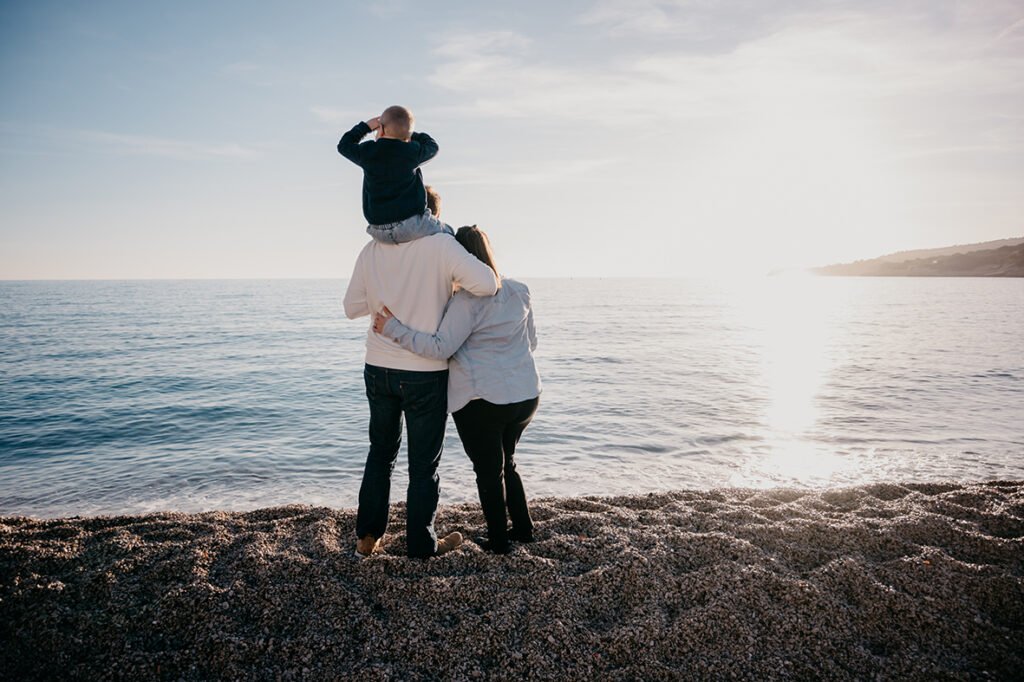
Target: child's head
[[433, 201], [397, 122]]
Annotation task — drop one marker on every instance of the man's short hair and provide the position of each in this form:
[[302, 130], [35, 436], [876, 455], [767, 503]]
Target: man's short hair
[[433, 201], [398, 121]]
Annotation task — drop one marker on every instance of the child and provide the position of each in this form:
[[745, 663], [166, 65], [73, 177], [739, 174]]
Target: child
[[394, 199]]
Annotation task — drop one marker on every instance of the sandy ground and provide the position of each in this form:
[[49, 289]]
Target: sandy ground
[[907, 581]]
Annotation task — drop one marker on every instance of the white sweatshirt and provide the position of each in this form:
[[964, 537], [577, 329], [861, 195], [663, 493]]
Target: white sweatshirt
[[414, 280]]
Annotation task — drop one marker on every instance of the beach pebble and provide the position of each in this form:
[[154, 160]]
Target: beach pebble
[[886, 581]]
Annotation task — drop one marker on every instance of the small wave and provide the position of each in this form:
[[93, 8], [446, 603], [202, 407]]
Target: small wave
[[198, 393]]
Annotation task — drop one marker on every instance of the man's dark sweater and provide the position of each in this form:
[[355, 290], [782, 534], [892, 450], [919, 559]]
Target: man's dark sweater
[[392, 182]]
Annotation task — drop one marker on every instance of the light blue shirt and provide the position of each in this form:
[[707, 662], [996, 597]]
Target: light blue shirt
[[490, 340]]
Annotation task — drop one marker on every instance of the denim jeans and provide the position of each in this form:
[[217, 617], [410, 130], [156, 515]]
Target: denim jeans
[[409, 229], [489, 435], [422, 397]]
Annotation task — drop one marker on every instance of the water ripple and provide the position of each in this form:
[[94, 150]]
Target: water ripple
[[138, 396]]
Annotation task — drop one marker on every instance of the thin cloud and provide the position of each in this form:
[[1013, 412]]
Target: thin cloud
[[637, 16], [495, 72], [703, 23], [274, 73], [386, 9], [336, 116], [520, 174], [953, 150], [733, 22], [902, 77], [41, 137], [252, 73], [1012, 28], [167, 148], [241, 67], [467, 59], [481, 43]]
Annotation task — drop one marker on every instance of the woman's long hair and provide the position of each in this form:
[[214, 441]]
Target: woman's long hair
[[475, 240]]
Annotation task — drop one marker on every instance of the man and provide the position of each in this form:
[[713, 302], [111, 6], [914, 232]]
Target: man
[[414, 280]]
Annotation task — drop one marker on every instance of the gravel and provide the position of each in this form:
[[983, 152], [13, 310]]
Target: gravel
[[885, 581]]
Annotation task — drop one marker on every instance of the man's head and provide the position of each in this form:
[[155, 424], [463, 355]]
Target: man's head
[[397, 122], [433, 201]]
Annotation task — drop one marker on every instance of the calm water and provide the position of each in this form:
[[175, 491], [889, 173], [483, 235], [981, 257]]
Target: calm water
[[134, 396]]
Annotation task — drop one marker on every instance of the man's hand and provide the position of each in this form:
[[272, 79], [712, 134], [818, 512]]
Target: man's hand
[[374, 123], [381, 319]]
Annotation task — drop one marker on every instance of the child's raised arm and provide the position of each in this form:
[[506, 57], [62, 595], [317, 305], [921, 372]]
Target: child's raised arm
[[428, 147], [349, 144]]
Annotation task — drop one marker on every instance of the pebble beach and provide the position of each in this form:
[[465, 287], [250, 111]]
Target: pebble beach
[[884, 581]]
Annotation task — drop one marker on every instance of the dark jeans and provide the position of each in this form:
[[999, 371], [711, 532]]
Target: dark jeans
[[489, 434], [423, 398]]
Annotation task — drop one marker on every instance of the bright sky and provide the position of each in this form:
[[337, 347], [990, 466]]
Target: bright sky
[[588, 137]]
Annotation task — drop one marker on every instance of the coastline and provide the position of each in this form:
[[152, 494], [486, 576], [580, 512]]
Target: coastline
[[900, 580]]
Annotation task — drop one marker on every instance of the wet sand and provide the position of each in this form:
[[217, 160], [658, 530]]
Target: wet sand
[[890, 581]]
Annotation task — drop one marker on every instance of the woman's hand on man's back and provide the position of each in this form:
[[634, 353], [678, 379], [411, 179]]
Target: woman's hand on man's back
[[380, 319]]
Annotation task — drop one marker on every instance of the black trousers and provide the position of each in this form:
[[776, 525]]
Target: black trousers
[[489, 434]]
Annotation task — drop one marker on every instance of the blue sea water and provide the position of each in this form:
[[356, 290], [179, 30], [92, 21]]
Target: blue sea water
[[133, 396]]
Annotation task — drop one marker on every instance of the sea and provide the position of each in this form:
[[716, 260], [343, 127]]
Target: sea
[[122, 397]]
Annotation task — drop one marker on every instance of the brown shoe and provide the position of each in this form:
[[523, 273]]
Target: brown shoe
[[448, 543], [366, 546]]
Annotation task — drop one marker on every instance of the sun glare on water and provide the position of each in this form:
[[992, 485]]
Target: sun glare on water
[[794, 322]]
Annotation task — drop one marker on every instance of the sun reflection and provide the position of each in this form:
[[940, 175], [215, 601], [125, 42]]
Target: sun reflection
[[793, 322], [793, 460], [793, 357]]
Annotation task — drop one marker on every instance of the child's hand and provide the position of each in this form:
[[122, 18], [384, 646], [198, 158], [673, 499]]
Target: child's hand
[[381, 319], [374, 123]]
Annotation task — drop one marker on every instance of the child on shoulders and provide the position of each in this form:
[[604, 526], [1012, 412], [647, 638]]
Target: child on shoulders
[[394, 197]]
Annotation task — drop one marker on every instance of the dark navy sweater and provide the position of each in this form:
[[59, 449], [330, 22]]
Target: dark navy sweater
[[392, 182]]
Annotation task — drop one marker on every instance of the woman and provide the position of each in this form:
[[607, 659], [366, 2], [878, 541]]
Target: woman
[[493, 386]]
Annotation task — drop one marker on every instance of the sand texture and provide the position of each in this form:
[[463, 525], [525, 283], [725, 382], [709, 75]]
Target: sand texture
[[889, 581]]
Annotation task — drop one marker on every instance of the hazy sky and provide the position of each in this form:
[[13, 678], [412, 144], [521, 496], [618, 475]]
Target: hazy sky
[[589, 138]]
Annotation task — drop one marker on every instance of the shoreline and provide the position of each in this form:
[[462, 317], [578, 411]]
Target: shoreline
[[890, 580]]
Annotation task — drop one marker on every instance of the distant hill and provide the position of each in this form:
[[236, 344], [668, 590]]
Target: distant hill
[[1000, 258]]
